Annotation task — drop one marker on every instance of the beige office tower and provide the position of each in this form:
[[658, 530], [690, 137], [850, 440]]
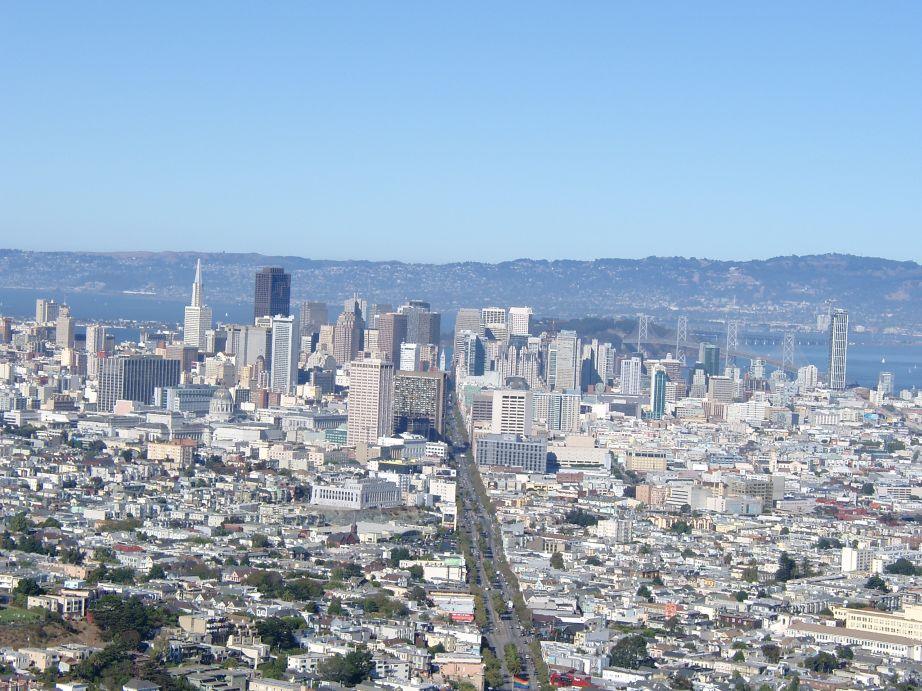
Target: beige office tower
[[46, 311], [96, 338], [64, 328], [371, 400], [326, 338], [197, 317], [347, 336], [519, 321], [513, 410]]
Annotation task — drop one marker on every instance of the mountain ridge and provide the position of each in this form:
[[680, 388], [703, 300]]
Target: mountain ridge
[[879, 291]]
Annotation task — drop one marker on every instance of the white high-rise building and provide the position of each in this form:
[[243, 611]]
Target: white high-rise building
[[566, 361], [493, 317], [519, 321], [558, 410], [371, 400], [95, 338], [286, 346], [885, 384], [807, 378], [409, 357], [838, 349], [631, 376], [197, 316], [512, 411]]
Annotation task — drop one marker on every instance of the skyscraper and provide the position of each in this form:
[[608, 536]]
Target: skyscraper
[[313, 316], [658, 393], [347, 335], [96, 338], [419, 403], [134, 378], [513, 411], [392, 331], [467, 319], [272, 294], [46, 311], [370, 413], [64, 328], [409, 357], [631, 376], [286, 341], [423, 325], [519, 321], [709, 356], [885, 384], [197, 316], [566, 361], [474, 355], [838, 348]]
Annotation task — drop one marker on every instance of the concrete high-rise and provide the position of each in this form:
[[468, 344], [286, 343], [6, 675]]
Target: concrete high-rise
[[313, 316], [46, 311], [347, 336], [566, 369], [419, 403], [513, 411], [64, 328], [96, 339], [392, 331], [519, 321], [467, 320], [272, 293], [631, 376], [197, 317], [134, 378], [370, 412], [838, 349], [409, 357], [423, 325], [286, 346]]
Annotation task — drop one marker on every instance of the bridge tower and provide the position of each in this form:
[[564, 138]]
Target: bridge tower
[[733, 327], [681, 339], [643, 331], [787, 352]]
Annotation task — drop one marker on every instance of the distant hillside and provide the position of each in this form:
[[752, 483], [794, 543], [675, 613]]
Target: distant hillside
[[877, 291]]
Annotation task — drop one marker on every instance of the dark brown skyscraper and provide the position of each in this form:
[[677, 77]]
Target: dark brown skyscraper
[[273, 292]]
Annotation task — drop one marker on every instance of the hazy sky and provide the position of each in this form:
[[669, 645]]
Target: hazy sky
[[441, 131]]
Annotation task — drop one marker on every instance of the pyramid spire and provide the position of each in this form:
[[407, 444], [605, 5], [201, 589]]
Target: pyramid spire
[[197, 291]]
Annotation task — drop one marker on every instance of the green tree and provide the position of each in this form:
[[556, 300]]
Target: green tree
[[156, 572], [772, 652], [822, 662], [875, 582], [348, 670], [28, 586], [336, 607], [20, 523], [787, 568], [557, 560], [903, 567], [278, 632], [630, 652]]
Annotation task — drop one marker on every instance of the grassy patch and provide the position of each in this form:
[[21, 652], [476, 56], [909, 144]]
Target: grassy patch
[[18, 615]]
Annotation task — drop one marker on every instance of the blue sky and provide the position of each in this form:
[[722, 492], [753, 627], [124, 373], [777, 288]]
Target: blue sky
[[436, 131]]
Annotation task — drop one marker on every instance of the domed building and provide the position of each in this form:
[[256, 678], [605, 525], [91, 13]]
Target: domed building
[[222, 405]]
